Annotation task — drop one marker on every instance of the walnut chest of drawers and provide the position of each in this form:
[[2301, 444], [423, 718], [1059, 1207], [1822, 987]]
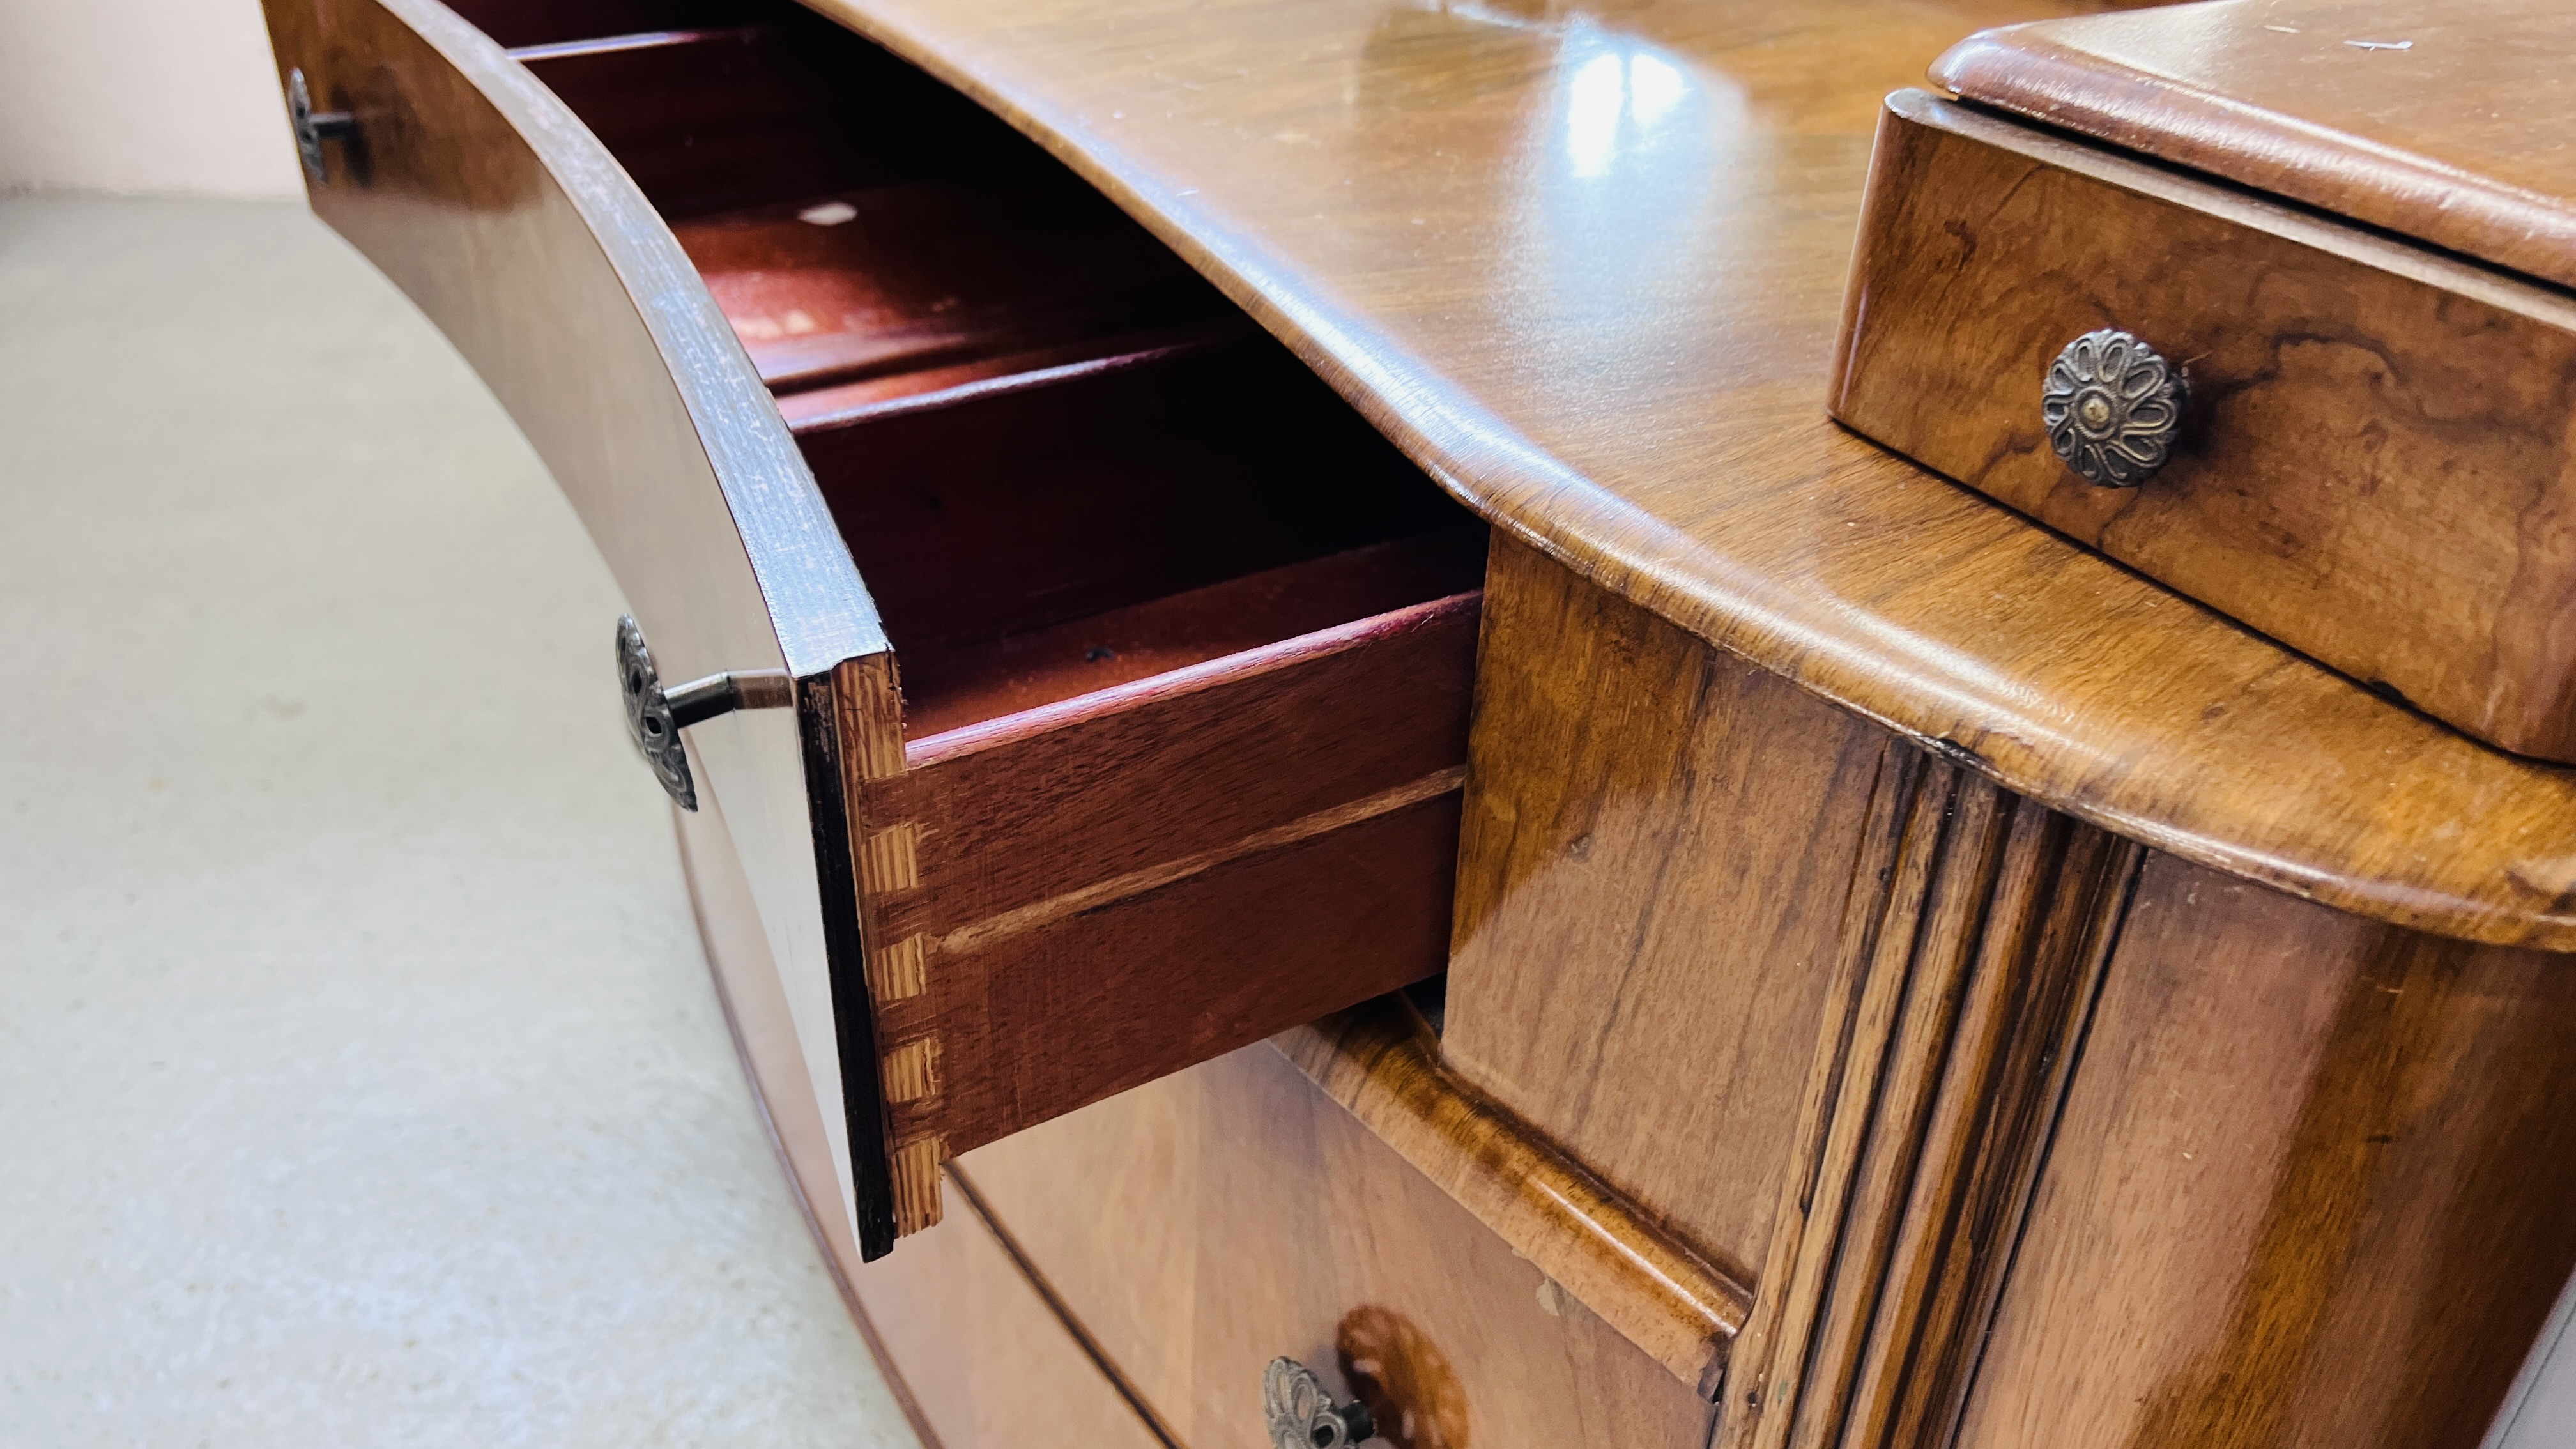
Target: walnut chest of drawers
[[1327, 801]]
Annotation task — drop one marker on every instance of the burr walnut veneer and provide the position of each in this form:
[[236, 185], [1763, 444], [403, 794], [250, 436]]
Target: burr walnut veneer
[[1366, 776], [2373, 460]]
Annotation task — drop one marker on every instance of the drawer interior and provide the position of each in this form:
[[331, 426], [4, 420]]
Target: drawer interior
[[1183, 649], [715, 106], [518, 24], [1035, 539], [1062, 460]]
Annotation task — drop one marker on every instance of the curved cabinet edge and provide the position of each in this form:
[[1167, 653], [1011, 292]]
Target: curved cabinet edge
[[2161, 721], [492, 206]]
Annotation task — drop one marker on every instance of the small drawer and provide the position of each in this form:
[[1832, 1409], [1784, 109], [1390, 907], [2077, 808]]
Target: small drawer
[[1125, 670], [2371, 460], [1198, 1229]]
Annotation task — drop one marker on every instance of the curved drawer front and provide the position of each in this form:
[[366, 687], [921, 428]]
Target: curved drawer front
[[491, 205], [1144, 737], [483, 197], [2372, 459]]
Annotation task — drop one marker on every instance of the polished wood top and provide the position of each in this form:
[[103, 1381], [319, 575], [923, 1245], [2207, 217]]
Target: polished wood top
[[1586, 264], [2438, 120]]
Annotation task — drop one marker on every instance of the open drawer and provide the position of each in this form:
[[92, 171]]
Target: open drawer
[[1079, 686]]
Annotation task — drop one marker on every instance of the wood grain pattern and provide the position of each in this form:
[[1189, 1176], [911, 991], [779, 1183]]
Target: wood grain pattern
[[1382, 1062], [1609, 325], [2430, 132], [1605, 324], [1035, 806], [1050, 895], [1201, 1226], [2055, 917], [484, 198], [1899, 854], [2012, 939], [2310, 1187], [1019, 672], [1657, 842], [1090, 1004], [847, 729], [1923, 945], [2374, 467], [1677, 871]]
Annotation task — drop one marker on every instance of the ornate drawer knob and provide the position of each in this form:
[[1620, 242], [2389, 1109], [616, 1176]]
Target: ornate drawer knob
[[1303, 1416], [313, 127], [656, 715], [2113, 408]]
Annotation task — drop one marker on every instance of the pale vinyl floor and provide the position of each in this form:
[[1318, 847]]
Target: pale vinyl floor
[[360, 1079]]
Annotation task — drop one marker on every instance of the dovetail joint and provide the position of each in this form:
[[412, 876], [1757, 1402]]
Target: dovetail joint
[[871, 717], [912, 1071], [916, 1183], [900, 971], [890, 859]]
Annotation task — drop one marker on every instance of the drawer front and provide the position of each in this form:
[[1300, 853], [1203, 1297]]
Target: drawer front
[[479, 194], [2372, 464], [1232, 1214], [487, 201], [980, 1358], [1144, 739]]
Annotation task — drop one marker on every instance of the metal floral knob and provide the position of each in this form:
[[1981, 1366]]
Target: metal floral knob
[[655, 715], [649, 722], [2113, 408], [1303, 1416], [313, 127]]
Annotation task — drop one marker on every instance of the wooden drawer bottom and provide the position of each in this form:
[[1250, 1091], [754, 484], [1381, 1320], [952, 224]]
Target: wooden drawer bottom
[[1200, 1226]]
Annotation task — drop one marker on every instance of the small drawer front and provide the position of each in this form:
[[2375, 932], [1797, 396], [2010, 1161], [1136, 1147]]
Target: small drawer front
[[1201, 1227], [2372, 460]]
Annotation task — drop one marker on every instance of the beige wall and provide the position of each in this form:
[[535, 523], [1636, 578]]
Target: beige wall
[[171, 96]]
